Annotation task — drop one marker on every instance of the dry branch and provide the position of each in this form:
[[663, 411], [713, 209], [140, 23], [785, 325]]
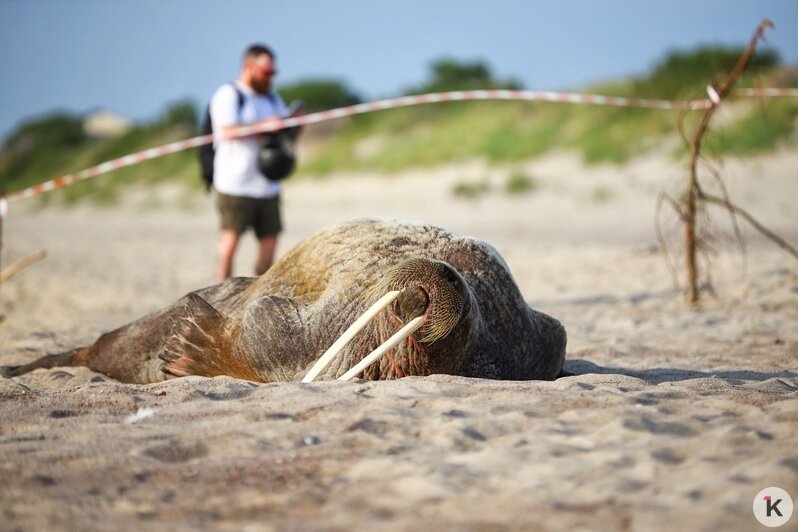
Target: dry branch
[[694, 197], [22, 263], [738, 211]]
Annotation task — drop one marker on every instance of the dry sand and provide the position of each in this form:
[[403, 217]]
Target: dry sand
[[675, 418]]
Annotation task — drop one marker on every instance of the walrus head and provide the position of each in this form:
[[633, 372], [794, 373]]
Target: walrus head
[[435, 290]]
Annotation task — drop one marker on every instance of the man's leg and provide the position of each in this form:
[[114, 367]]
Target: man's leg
[[268, 244], [267, 227], [228, 241]]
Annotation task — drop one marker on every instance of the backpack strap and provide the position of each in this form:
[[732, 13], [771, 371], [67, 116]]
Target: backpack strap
[[240, 98], [207, 151]]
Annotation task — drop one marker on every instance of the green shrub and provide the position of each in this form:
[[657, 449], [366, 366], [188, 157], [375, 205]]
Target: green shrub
[[449, 74], [471, 190], [759, 131], [520, 183], [602, 195], [682, 73], [319, 94]]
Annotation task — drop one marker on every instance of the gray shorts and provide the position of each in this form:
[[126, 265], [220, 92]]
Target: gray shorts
[[240, 213]]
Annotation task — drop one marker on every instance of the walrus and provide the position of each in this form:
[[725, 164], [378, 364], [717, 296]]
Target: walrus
[[475, 322]]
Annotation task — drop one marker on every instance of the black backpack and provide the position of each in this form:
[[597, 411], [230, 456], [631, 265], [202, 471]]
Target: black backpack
[[207, 151]]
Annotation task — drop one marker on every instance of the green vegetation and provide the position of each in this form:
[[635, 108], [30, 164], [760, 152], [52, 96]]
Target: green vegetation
[[501, 133], [602, 195], [319, 94], [759, 131], [56, 145], [685, 74], [520, 183], [507, 132], [448, 74], [471, 190]]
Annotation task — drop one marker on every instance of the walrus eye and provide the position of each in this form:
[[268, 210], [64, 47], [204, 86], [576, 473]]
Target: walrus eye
[[449, 275]]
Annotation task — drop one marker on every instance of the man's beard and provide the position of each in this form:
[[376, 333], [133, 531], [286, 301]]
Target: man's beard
[[264, 87]]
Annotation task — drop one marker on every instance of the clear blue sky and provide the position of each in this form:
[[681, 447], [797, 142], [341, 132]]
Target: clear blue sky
[[137, 56]]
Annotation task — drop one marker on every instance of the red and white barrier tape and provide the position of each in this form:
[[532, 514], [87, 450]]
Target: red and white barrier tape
[[392, 103], [766, 92]]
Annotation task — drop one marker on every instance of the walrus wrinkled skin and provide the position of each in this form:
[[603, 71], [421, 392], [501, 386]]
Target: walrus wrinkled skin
[[273, 328]]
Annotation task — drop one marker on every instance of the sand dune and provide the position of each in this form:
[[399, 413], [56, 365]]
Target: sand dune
[[673, 417]]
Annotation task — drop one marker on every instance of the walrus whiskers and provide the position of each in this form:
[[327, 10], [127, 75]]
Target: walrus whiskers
[[348, 334], [375, 355]]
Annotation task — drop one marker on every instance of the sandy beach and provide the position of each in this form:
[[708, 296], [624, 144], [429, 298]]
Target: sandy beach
[[673, 418]]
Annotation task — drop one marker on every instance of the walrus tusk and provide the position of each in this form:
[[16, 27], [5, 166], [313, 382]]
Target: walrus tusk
[[375, 355], [348, 334]]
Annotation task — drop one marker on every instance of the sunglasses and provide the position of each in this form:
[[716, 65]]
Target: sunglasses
[[267, 72]]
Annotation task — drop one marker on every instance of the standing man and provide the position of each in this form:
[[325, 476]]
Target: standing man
[[245, 197]]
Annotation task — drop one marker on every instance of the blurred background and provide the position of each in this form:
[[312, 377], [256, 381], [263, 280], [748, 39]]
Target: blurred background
[[86, 81]]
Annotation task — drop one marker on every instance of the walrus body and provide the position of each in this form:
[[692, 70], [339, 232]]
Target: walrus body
[[273, 328]]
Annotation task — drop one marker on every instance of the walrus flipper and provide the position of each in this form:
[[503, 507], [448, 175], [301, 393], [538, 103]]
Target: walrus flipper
[[273, 337], [200, 343], [45, 362]]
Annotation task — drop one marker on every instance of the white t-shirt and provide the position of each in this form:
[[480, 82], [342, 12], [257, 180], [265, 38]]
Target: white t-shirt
[[235, 171]]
